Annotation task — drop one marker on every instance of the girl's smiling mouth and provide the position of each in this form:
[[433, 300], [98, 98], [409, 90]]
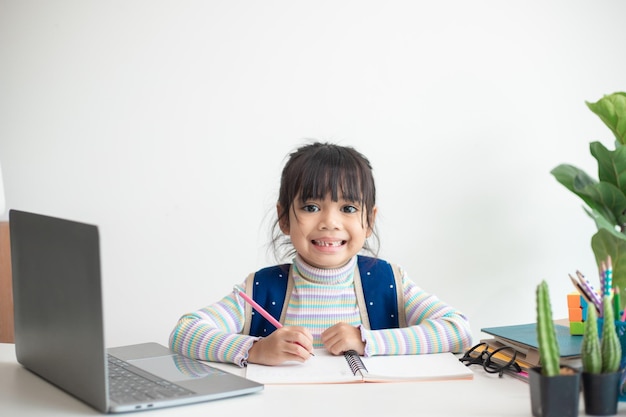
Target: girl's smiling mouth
[[328, 243]]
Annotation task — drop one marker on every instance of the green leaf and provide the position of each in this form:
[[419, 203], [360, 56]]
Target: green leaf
[[612, 111], [603, 223], [611, 164], [605, 243], [574, 179], [602, 197], [611, 198]]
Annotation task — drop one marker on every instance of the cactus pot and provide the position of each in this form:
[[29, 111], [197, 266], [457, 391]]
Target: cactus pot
[[601, 393], [554, 396]]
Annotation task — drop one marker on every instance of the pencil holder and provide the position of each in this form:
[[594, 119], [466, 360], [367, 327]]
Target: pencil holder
[[620, 326]]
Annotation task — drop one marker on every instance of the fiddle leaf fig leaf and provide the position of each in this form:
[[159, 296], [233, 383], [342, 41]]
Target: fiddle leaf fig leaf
[[612, 111], [596, 195], [574, 179], [603, 223], [611, 198], [603, 244], [611, 164]]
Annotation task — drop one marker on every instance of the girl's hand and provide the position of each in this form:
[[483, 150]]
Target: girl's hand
[[292, 343], [342, 337]]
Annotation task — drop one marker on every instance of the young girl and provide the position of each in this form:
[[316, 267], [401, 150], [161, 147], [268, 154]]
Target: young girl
[[331, 296]]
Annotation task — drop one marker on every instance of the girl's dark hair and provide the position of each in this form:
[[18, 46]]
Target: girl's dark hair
[[315, 170]]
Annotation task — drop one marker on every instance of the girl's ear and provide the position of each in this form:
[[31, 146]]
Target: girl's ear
[[283, 219], [370, 227]]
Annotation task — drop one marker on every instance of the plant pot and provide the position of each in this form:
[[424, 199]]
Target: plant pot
[[601, 393], [554, 396]]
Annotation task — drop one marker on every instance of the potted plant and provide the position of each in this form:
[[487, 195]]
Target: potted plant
[[605, 197], [554, 389], [601, 362]]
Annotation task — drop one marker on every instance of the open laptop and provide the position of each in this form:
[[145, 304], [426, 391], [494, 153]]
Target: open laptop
[[59, 331]]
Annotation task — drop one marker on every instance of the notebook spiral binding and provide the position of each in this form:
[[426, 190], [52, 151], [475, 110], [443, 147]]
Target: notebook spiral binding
[[354, 361]]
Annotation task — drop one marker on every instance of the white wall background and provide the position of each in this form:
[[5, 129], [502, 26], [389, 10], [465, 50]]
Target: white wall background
[[167, 123]]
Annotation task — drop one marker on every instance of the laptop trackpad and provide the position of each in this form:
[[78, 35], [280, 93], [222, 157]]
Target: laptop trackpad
[[174, 368]]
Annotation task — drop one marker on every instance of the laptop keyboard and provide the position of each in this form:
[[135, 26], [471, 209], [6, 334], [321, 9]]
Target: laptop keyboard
[[130, 384]]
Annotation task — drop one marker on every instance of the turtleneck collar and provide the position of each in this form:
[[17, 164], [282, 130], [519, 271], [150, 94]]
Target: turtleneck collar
[[324, 276]]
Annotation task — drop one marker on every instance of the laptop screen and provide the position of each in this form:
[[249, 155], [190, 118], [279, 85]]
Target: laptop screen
[[59, 331]]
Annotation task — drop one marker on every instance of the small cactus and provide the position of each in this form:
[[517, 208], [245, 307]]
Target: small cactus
[[546, 335], [601, 356], [590, 350], [611, 348]]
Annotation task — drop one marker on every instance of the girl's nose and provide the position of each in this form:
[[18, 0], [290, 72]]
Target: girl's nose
[[330, 221]]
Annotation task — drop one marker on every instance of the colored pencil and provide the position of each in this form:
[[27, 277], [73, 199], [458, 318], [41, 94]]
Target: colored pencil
[[260, 309]]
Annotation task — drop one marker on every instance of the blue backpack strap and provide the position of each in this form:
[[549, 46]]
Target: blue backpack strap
[[268, 289], [380, 292]]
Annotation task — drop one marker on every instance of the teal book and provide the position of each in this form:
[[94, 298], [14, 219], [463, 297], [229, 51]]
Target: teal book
[[525, 336]]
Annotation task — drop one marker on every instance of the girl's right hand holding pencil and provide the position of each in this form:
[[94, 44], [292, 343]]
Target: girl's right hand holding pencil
[[290, 343]]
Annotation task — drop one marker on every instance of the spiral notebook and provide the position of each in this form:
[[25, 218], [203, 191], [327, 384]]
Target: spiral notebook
[[324, 368]]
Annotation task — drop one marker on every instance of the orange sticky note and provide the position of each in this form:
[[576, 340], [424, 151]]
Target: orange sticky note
[[575, 314], [573, 300]]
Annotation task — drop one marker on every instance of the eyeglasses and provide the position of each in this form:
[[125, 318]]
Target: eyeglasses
[[489, 362]]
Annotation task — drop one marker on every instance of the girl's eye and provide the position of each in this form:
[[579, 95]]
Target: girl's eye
[[310, 208], [349, 209]]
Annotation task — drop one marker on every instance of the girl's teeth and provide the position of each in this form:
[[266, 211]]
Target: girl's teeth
[[323, 243]]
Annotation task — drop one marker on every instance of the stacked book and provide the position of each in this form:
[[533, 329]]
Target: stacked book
[[522, 341]]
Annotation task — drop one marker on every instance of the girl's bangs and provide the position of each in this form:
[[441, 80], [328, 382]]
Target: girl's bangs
[[337, 182]]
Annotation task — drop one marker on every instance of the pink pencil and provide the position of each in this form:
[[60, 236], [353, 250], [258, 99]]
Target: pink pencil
[[258, 308]]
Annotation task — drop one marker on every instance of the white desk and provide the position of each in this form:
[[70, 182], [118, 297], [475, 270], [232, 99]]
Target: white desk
[[26, 395]]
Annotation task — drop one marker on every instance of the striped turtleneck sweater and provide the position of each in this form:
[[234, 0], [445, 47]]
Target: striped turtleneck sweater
[[320, 299]]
